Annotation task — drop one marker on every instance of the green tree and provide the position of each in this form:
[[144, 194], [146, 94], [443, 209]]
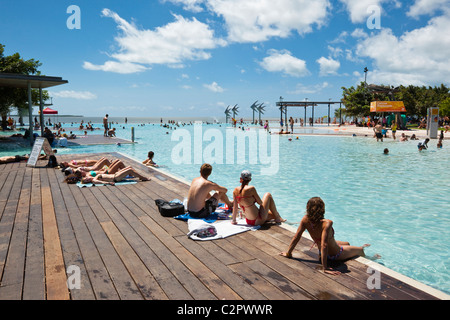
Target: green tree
[[17, 97], [444, 107], [416, 99], [357, 100]]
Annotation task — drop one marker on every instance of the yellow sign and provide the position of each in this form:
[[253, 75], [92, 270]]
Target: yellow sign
[[387, 106]]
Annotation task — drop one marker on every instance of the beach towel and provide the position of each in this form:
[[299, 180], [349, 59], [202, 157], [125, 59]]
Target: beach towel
[[88, 185], [202, 230]]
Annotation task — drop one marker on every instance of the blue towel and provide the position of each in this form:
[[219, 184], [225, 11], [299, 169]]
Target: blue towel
[[217, 215], [209, 219], [88, 185]]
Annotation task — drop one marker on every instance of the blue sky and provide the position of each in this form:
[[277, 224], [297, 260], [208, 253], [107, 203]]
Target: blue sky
[[187, 58]]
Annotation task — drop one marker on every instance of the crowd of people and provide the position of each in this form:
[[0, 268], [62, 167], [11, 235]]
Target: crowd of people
[[380, 132]]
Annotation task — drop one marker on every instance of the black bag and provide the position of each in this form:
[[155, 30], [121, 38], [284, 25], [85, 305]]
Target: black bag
[[169, 209], [52, 163]]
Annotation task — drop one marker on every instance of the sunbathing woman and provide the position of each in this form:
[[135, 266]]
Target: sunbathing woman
[[322, 232], [246, 197], [94, 164], [111, 179], [103, 167]]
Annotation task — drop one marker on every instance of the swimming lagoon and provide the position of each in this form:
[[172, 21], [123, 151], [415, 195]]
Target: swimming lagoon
[[397, 202]]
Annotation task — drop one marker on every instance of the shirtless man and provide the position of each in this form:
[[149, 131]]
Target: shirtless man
[[200, 202], [378, 131]]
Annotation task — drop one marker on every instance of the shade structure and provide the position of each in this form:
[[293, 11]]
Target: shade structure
[[29, 82], [49, 111]]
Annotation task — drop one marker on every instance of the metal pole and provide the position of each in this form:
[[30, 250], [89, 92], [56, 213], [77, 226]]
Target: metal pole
[[30, 113], [132, 134], [285, 119], [304, 122], [281, 113], [328, 114], [41, 114], [312, 123]]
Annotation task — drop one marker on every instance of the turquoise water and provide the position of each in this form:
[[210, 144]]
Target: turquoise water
[[398, 202]]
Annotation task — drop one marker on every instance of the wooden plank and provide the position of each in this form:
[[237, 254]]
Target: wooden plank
[[55, 272], [112, 207], [92, 267], [123, 282], [6, 189], [71, 252], [12, 280], [8, 216], [125, 216], [34, 278], [270, 291], [183, 273], [195, 265], [148, 286]]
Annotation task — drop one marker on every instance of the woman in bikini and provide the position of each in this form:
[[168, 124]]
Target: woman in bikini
[[108, 178], [115, 166], [322, 232], [90, 164], [246, 197]]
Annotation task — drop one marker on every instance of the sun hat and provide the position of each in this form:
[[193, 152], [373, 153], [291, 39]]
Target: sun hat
[[246, 175]]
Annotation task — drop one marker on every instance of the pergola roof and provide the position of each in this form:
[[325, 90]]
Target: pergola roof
[[304, 103], [21, 81], [16, 80]]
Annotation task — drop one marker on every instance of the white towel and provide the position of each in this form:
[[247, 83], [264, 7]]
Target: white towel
[[222, 228]]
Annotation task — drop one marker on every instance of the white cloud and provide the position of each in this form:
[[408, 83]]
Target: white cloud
[[70, 94], [359, 33], [123, 67], [424, 7], [328, 66], [358, 9], [311, 89], [190, 5], [259, 20], [172, 45], [283, 61], [418, 57], [214, 87], [341, 38]]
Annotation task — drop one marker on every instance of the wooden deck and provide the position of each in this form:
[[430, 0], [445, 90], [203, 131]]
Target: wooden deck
[[94, 139], [124, 249]]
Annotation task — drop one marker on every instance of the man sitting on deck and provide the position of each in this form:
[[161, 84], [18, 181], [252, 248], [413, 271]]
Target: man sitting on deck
[[200, 202]]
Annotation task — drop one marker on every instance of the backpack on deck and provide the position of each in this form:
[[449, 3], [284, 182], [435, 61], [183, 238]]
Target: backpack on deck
[[169, 209]]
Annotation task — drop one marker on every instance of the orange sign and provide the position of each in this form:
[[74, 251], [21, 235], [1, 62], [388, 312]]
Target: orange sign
[[387, 106]]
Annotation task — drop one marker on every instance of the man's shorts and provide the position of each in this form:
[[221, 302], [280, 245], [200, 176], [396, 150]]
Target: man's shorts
[[210, 207]]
